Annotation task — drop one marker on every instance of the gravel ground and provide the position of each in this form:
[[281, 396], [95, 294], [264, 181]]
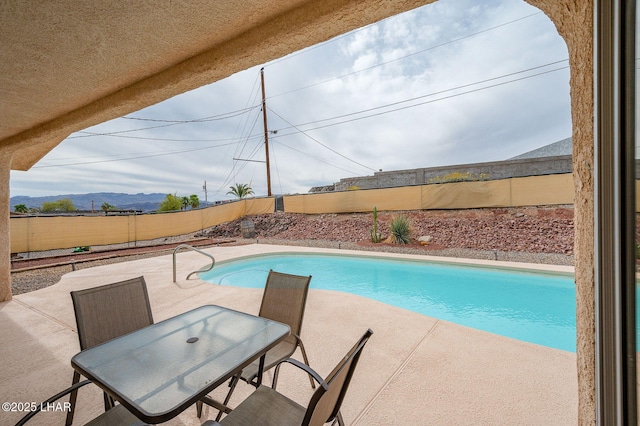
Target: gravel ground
[[533, 235], [35, 279]]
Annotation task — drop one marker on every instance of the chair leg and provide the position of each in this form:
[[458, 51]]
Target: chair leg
[[72, 399], [306, 361], [232, 385]]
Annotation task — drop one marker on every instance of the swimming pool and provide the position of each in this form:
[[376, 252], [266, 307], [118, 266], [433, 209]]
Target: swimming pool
[[533, 307]]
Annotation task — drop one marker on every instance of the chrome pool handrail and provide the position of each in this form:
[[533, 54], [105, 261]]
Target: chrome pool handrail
[[187, 246]]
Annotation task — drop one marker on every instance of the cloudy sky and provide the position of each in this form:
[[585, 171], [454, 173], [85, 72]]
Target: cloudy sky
[[455, 82]]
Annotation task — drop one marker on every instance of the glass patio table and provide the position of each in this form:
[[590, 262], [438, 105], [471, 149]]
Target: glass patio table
[[160, 370]]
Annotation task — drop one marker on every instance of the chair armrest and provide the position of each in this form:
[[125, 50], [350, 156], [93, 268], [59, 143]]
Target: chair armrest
[[310, 371], [52, 399]]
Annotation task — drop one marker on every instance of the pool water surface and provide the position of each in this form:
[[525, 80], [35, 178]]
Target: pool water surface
[[533, 307]]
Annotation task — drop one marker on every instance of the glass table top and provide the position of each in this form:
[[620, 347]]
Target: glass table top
[[162, 369]]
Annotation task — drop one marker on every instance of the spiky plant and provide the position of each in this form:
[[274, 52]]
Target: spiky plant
[[376, 236], [400, 230]]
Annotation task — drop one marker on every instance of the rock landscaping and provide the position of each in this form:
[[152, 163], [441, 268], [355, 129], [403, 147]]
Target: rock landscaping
[[526, 229]]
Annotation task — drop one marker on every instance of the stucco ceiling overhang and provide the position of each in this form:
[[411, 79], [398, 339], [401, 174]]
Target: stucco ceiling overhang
[[66, 65]]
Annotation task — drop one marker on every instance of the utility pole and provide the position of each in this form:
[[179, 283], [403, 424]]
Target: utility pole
[[266, 132], [206, 204]]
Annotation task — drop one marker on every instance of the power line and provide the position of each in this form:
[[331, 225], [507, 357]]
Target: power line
[[130, 158], [170, 139], [216, 117], [422, 97], [244, 130], [316, 46], [121, 134], [232, 114], [321, 144], [405, 56], [85, 134], [233, 166], [316, 158], [298, 130], [275, 162]]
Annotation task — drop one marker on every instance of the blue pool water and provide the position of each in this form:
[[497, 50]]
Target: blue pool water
[[537, 308]]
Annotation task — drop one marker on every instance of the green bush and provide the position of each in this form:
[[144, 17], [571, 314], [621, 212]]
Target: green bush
[[171, 203], [62, 205], [400, 230]]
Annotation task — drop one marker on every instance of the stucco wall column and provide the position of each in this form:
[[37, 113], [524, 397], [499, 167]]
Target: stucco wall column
[[574, 21], [584, 266], [5, 236], [581, 62]]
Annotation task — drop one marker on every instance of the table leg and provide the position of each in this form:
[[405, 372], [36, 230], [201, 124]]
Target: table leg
[[260, 370], [234, 381]]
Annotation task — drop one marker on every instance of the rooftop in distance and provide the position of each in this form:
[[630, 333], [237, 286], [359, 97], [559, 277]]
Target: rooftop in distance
[[563, 147]]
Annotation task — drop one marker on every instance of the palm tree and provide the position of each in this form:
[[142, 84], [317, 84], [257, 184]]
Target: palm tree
[[241, 190], [21, 208], [185, 202], [194, 201]]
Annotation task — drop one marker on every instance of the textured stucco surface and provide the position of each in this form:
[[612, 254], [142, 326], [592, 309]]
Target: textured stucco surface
[[5, 236], [574, 20], [61, 73], [68, 66]]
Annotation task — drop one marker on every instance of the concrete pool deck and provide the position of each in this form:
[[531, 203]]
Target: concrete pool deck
[[415, 370]]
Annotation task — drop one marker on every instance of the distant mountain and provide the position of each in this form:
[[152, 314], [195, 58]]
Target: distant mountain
[[144, 202]]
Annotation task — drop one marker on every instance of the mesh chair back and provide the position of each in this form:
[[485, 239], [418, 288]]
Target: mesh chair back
[[109, 311], [284, 299], [326, 400]]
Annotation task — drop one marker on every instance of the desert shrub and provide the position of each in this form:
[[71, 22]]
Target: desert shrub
[[400, 230], [376, 236], [459, 177]]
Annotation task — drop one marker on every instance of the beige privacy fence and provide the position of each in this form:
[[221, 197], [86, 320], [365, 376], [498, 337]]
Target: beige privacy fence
[[38, 233], [46, 233], [514, 192]]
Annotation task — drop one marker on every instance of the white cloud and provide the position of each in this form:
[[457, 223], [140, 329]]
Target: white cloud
[[353, 92]]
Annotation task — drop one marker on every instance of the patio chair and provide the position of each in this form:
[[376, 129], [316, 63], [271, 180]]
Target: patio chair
[[268, 407], [106, 312], [117, 416], [283, 300]]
